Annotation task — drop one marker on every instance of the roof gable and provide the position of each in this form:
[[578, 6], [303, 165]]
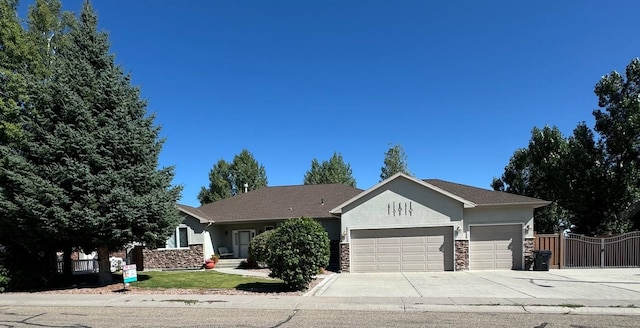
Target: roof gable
[[465, 202], [469, 196]]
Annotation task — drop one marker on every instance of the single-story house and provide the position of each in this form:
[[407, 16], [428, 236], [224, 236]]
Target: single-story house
[[400, 224]]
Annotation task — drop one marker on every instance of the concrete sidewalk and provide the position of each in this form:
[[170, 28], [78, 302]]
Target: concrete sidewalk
[[612, 291]]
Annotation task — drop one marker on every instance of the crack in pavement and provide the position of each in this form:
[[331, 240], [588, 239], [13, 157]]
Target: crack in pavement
[[412, 285], [503, 285], [293, 314]]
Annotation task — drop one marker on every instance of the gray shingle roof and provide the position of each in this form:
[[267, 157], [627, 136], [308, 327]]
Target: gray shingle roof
[[484, 197], [282, 202]]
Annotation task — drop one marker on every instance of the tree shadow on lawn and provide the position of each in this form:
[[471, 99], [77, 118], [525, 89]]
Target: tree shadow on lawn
[[81, 281], [262, 287]]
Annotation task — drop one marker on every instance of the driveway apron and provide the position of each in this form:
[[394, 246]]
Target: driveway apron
[[371, 285], [593, 284]]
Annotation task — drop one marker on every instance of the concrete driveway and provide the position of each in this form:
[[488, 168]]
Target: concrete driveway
[[584, 284]]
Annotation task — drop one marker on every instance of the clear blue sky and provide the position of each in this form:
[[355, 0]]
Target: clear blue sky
[[459, 84]]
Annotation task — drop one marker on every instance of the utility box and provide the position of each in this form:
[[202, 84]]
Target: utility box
[[541, 260]]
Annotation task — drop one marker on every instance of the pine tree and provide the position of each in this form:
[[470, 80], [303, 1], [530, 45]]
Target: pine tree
[[335, 170], [88, 174], [395, 160]]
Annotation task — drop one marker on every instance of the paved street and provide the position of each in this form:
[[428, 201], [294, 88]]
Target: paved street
[[78, 317]]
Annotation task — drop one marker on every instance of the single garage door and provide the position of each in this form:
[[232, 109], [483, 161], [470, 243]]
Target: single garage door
[[397, 250], [494, 247]]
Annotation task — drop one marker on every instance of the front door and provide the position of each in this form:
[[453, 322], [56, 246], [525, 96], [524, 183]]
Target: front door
[[244, 238], [241, 240]]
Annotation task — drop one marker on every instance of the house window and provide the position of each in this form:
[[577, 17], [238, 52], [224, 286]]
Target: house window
[[180, 238], [267, 228], [183, 239]]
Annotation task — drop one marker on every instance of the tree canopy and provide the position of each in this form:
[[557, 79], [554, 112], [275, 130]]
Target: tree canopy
[[592, 181], [395, 160], [227, 179], [335, 170]]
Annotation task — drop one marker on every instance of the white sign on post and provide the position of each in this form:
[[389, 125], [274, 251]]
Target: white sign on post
[[129, 274]]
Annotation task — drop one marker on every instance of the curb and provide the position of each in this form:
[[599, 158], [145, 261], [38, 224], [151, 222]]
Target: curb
[[320, 288]]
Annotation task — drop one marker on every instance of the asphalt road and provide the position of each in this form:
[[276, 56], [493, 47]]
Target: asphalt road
[[78, 317]]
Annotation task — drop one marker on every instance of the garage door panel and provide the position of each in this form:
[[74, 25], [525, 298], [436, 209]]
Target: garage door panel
[[388, 249], [363, 242], [414, 249], [395, 250], [413, 240], [414, 258], [414, 267]]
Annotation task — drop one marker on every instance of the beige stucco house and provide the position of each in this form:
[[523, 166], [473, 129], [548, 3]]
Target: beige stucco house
[[400, 224]]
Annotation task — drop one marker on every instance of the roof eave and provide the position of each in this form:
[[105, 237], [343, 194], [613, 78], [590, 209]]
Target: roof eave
[[528, 204], [199, 217]]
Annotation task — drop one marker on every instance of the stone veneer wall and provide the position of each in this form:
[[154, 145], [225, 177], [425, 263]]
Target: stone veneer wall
[[528, 254], [191, 258], [344, 257], [462, 255]]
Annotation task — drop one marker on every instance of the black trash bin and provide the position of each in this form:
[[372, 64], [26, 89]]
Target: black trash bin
[[541, 261]]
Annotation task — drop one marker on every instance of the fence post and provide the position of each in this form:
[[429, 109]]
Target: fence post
[[602, 252], [561, 248]]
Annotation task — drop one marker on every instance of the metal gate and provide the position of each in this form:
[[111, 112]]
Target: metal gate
[[619, 251]]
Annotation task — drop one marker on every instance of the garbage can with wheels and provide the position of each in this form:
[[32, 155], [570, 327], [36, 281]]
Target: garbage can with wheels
[[541, 262]]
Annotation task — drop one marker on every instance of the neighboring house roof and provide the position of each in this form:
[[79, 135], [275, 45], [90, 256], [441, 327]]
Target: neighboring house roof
[[485, 197], [282, 202], [195, 212], [469, 196]]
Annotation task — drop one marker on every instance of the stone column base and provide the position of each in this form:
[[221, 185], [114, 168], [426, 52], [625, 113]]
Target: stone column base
[[462, 255], [344, 257], [528, 254]]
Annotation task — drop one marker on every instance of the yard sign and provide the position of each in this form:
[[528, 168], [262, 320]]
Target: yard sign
[[129, 273]]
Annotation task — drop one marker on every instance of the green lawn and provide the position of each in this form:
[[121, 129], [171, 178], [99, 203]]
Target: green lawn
[[204, 280]]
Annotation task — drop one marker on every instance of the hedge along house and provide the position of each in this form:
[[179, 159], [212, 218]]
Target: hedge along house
[[406, 224], [232, 223]]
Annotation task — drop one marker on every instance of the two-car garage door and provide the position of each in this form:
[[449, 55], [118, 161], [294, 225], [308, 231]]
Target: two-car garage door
[[396, 250]]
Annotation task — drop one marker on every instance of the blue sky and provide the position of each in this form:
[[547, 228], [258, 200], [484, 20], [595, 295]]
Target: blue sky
[[459, 84]]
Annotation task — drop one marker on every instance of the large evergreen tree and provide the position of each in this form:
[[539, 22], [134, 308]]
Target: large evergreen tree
[[335, 170], [229, 179], [25, 57], [395, 160], [88, 176]]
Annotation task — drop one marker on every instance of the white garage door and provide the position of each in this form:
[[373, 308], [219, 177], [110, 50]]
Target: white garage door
[[496, 247], [397, 250]]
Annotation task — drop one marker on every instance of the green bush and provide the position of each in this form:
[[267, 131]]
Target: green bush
[[4, 278], [259, 247], [299, 248]]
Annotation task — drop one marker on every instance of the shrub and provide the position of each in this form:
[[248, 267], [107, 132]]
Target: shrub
[[259, 247], [298, 249], [4, 278]]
